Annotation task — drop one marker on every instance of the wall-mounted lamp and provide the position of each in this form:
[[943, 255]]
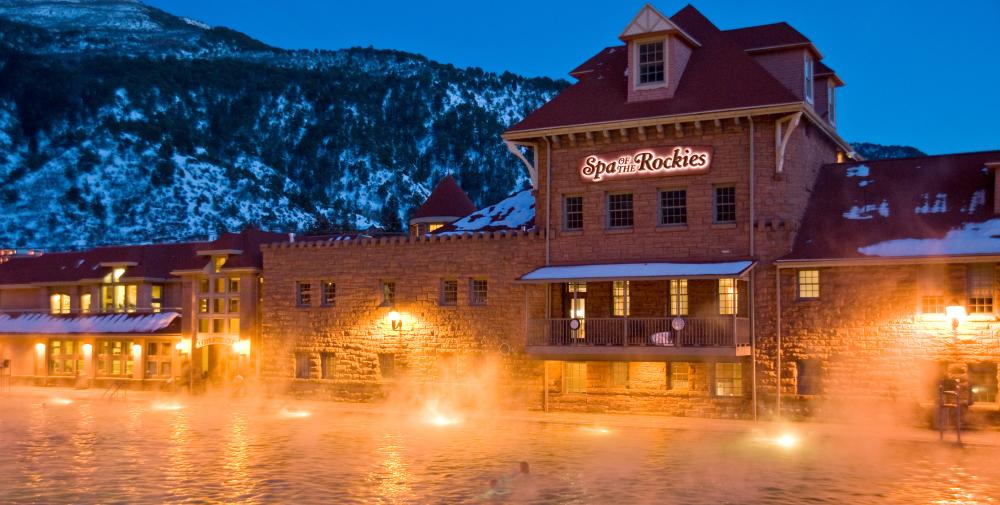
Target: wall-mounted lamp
[[955, 314], [88, 349], [395, 320], [40, 348], [242, 347], [184, 346]]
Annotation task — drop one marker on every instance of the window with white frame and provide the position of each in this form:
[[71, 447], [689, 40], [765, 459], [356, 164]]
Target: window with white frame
[[620, 299], [678, 297], [159, 355], [728, 379], [65, 357], [727, 297], [808, 281], [620, 211], [85, 300], [931, 283], [808, 76], [679, 374], [980, 288], [651, 62], [831, 102], [574, 376]]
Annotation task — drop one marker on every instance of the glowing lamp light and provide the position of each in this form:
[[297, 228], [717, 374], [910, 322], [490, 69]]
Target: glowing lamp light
[[242, 347], [88, 349], [184, 346], [395, 320], [40, 348], [786, 441], [136, 350], [955, 314]]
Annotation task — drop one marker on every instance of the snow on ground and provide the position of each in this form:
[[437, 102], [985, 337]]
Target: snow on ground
[[971, 238]]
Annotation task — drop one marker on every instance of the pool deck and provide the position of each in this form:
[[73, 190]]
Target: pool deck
[[901, 433]]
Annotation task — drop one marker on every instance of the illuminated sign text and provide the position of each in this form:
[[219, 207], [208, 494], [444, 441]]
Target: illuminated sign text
[[678, 161]]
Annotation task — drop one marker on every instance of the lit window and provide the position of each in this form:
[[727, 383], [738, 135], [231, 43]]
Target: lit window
[[234, 284], [131, 297], [158, 357], [218, 305], [85, 300], [329, 293], [65, 357], [725, 204], [388, 290], [728, 379], [234, 327], [117, 274], [219, 285], [808, 284], [203, 285], [203, 326], [932, 282], [651, 68], [980, 288], [59, 303], [217, 325], [673, 207], [727, 297], [478, 292], [620, 298], [449, 292], [433, 227], [303, 294], [932, 304], [203, 305], [576, 287], [234, 305], [678, 297], [114, 358], [573, 213], [575, 377], [679, 375], [217, 263], [619, 374], [620, 213], [808, 77], [983, 381], [387, 365], [156, 297]]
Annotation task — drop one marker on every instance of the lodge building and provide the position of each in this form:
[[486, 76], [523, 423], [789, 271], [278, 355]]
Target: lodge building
[[697, 240]]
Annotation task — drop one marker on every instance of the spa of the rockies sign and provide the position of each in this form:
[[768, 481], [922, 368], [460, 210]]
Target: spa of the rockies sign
[[646, 162]]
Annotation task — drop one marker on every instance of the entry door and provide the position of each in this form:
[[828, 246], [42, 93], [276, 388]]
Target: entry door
[[576, 307]]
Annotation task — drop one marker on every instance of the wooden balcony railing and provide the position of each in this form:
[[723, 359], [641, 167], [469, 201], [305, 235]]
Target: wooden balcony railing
[[722, 331]]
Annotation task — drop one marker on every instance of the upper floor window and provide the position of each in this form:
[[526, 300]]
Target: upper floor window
[[651, 62], [449, 292], [673, 207], [303, 294], [573, 212], [808, 284], [117, 297], [217, 263], [478, 292], [678, 297], [388, 289], [980, 288], [85, 303], [831, 102], [725, 204], [329, 293], [808, 78], [620, 211], [620, 298], [727, 297], [156, 297], [59, 303]]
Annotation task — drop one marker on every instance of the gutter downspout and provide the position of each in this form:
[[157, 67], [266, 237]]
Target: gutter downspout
[[548, 201], [777, 286], [753, 275]]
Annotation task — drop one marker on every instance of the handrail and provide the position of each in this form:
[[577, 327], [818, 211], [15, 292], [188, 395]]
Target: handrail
[[721, 331]]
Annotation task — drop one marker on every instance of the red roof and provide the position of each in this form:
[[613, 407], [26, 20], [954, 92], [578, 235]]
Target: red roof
[[901, 207], [768, 36], [447, 200], [720, 75], [151, 260]]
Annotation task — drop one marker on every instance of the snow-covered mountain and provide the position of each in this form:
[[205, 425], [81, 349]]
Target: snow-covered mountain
[[122, 123]]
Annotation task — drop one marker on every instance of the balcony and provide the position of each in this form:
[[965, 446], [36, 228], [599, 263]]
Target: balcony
[[639, 338]]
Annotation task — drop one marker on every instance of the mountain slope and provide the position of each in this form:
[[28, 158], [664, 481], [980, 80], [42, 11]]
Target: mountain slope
[[124, 141]]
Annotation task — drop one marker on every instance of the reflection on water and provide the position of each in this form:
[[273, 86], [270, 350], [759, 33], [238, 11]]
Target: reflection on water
[[214, 450]]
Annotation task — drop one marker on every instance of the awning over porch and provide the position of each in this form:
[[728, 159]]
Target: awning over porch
[[48, 324], [638, 271]]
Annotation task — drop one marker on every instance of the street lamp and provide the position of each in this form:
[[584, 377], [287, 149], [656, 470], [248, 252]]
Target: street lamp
[[395, 320]]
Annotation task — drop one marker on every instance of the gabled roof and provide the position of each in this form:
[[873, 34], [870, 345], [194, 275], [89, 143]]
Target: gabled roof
[[719, 75], [151, 261], [447, 200], [913, 207], [650, 21]]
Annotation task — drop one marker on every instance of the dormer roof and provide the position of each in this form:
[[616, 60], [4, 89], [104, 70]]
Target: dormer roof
[[771, 37], [447, 200], [650, 21]]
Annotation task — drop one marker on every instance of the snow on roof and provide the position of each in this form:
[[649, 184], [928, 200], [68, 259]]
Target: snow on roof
[[971, 238], [514, 212], [621, 271], [105, 323]]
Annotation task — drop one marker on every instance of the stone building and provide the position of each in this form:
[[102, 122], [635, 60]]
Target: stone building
[[133, 315]]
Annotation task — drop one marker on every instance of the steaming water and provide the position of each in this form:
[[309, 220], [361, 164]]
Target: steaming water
[[268, 452]]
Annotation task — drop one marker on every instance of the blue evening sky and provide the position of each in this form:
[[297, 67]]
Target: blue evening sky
[[920, 72]]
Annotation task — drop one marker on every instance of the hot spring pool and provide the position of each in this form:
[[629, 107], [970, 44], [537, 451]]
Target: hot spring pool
[[218, 450]]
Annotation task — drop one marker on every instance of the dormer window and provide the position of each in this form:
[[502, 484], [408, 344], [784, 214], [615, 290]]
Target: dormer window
[[217, 263], [808, 78], [651, 62]]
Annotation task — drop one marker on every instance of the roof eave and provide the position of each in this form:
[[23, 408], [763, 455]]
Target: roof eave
[[878, 261]]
